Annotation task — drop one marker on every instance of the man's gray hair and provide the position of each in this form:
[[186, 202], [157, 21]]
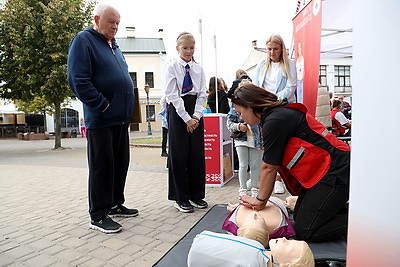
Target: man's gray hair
[[101, 8]]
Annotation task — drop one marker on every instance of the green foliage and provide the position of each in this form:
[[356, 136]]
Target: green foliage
[[34, 41]]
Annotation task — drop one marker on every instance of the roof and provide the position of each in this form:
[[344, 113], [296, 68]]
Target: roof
[[141, 45], [255, 56]]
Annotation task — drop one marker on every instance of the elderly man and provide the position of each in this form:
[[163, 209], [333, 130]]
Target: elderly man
[[98, 75]]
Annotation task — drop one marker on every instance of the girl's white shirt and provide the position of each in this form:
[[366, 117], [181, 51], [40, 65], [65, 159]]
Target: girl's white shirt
[[174, 81]]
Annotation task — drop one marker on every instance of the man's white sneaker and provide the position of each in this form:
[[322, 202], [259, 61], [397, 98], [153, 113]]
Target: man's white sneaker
[[278, 188]]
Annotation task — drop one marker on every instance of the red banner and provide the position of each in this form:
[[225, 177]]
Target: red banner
[[307, 45]]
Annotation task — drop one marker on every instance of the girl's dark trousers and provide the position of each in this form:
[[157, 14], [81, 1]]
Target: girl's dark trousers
[[186, 159]]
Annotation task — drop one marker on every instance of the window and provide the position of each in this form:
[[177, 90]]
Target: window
[[151, 112], [134, 78], [69, 118], [342, 76], [149, 79], [322, 75]]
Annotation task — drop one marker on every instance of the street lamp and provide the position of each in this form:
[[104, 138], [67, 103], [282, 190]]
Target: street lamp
[[147, 89]]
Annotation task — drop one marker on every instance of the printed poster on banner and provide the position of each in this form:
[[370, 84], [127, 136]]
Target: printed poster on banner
[[212, 150], [307, 45]]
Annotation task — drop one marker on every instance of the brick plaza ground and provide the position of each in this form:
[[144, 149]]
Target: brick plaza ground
[[44, 219]]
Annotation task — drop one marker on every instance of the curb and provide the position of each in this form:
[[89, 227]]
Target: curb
[[145, 145]]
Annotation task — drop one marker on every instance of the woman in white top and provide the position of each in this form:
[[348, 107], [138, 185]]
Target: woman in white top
[[277, 74]]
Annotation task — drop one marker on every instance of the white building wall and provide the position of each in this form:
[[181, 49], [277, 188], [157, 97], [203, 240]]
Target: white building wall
[[330, 69]]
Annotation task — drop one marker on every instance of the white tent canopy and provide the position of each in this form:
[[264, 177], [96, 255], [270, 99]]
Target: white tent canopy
[[337, 29]]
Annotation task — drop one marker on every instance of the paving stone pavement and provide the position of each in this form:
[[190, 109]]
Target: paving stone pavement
[[44, 219]]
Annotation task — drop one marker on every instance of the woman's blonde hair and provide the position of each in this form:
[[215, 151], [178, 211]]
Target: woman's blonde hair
[[254, 234], [284, 59], [184, 36]]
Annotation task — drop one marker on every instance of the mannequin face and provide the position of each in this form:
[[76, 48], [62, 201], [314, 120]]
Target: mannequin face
[[255, 221], [247, 115], [285, 251]]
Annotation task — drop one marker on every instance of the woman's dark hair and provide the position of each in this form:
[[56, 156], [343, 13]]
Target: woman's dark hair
[[336, 103], [211, 86], [249, 95]]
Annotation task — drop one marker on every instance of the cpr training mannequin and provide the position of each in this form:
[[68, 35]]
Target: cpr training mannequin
[[224, 250], [273, 219]]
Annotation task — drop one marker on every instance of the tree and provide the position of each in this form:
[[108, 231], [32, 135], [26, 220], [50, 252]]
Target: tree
[[34, 41]]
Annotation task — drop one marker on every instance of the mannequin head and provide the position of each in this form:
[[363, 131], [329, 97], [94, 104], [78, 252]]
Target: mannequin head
[[256, 234], [291, 253]]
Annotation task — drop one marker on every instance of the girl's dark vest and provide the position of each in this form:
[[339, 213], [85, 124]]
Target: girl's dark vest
[[308, 155]]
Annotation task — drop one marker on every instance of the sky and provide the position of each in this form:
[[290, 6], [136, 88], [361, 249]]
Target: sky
[[232, 24]]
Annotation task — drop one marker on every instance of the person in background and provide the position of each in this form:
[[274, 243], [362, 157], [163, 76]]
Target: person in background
[[223, 83], [331, 98], [223, 104], [314, 164], [341, 126], [83, 128], [186, 93], [98, 75], [346, 108], [248, 145], [163, 115], [277, 74], [240, 76]]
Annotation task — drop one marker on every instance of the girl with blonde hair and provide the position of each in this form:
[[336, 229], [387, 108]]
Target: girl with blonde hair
[[186, 92]]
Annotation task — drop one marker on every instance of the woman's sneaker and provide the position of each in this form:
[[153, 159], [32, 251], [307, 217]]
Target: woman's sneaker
[[254, 191], [242, 192], [278, 187], [248, 183]]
